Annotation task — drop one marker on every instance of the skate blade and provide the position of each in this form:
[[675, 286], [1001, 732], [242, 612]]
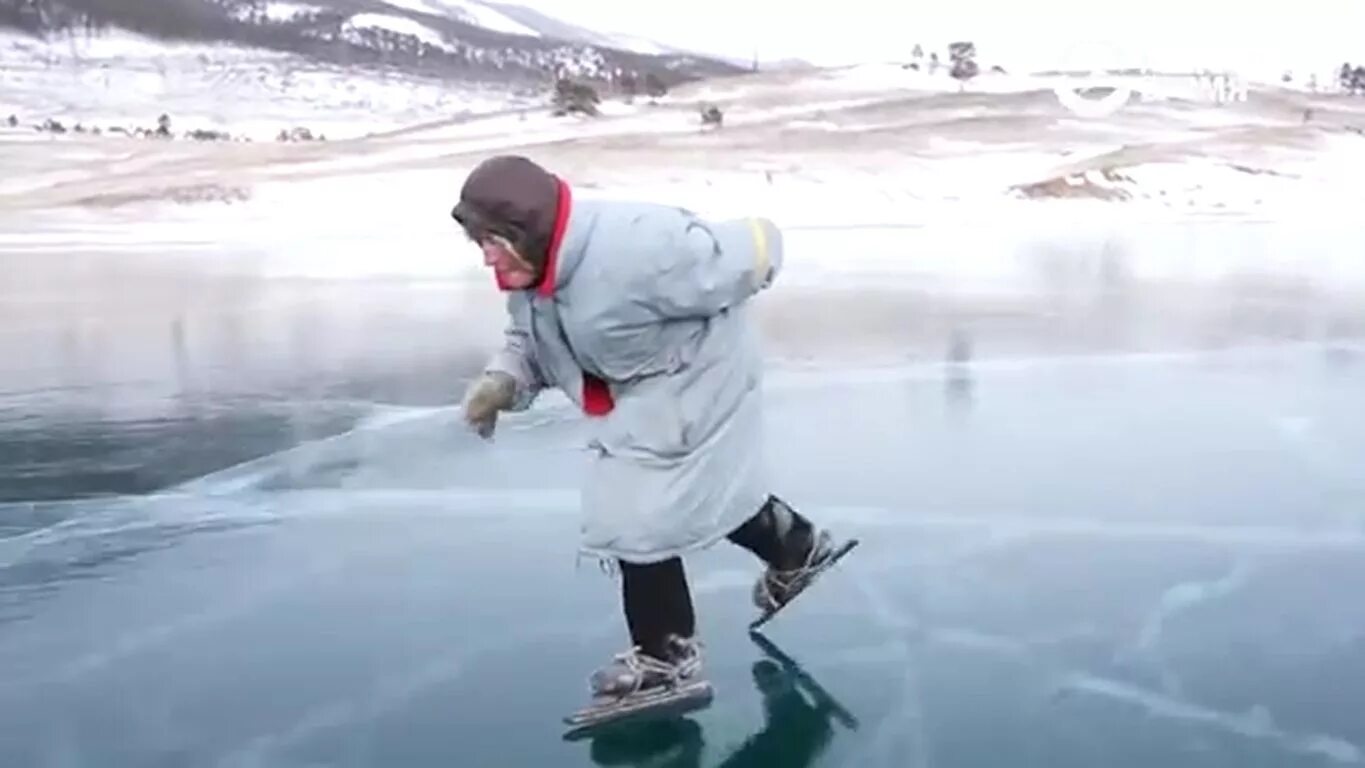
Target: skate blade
[[668, 703], [835, 558]]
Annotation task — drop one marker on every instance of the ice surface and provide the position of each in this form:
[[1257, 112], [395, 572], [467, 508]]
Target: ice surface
[[1103, 458], [1047, 542], [360, 619]]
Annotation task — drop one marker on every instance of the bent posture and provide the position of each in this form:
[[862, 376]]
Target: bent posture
[[639, 313]]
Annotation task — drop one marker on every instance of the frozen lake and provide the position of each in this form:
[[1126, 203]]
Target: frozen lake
[[241, 526]]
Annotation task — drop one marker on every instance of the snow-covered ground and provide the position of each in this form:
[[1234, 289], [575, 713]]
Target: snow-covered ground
[[279, 10], [470, 13], [401, 25], [877, 171], [124, 79]]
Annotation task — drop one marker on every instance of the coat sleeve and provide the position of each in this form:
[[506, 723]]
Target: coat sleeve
[[702, 268], [517, 358]]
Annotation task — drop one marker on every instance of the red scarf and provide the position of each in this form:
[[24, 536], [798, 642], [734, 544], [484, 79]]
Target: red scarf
[[597, 399]]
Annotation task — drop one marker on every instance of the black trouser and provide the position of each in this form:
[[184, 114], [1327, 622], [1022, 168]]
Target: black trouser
[[656, 597]]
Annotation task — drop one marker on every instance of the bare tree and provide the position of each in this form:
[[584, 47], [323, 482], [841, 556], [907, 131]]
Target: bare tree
[[963, 58], [655, 87], [573, 97], [629, 85]]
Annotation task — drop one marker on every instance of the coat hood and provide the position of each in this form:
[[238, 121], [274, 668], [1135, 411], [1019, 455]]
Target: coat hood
[[511, 196]]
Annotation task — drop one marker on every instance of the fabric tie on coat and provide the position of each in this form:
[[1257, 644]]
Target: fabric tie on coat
[[597, 399]]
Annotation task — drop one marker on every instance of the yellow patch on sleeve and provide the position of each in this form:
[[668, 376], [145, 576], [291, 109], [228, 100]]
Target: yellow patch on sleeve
[[762, 260]]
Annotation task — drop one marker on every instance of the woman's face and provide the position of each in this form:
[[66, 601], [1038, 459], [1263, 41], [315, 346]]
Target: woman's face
[[512, 270]]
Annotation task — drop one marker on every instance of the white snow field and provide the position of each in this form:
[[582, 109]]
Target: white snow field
[[879, 173], [280, 10], [470, 13], [401, 25], [124, 79]]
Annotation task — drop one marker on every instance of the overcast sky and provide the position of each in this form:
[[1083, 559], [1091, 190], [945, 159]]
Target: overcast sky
[[1035, 34]]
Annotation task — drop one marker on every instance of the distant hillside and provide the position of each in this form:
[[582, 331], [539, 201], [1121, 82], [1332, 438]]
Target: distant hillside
[[552, 27], [437, 37]]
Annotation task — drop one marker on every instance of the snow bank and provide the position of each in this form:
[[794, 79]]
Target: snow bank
[[879, 78], [1209, 185], [469, 13], [340, 227], [417, 6], [397, 24], [1006, 212], [106, 48], [125, 79], [638, 45], [894, 76], [483, 16]]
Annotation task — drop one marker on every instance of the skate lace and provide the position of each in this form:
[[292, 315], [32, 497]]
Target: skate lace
[[640, 663], [785, 580]]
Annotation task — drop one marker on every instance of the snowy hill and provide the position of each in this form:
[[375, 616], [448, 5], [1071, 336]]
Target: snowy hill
[[453, 39], [892, 144], [472, 13], [552, 27], [881, 177], [121, 81]]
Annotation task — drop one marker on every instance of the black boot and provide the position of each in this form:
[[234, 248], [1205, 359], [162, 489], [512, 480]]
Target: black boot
[[789, 544]]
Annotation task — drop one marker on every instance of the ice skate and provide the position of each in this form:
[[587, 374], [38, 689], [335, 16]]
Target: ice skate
[[776, 588], [637, 685]]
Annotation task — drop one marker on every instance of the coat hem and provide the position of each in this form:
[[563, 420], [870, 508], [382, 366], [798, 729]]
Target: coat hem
[[654, 555]]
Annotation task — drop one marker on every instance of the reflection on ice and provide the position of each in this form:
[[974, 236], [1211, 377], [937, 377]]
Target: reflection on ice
[[362, 587], [800, 720]]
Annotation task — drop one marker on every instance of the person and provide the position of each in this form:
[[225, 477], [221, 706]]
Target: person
[[639, 313]]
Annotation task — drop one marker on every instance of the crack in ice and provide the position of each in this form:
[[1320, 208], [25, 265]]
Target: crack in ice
[[1175, 600], [386, 695], [145, 638], [1258, 724], [912, 700], [1266, 537]]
